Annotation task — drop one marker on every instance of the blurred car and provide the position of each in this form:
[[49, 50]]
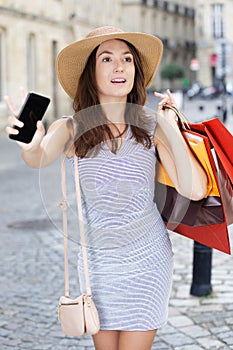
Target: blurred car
[[210, 92], [194, 91]]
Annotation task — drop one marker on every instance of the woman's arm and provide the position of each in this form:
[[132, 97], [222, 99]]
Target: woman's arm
[[185, 172], [55, 142], [43, 149]]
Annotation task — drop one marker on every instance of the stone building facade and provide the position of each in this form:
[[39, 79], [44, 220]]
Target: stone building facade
[[172, 21], [214, 41], [32, 33]]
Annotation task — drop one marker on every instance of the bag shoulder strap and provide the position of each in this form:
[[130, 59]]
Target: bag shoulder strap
[[64, 207]]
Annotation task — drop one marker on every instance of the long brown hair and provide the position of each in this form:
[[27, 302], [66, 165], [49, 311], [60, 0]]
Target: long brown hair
[[92, 126]]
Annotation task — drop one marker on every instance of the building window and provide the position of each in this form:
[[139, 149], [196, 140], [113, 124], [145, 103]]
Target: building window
[[144, 2], [155, 3], [176, 8], [165, 5], [31, 62], [189, 12], [165, 42], [218, 21]]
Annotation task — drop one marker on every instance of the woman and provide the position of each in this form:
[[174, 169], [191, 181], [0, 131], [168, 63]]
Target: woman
[[129, 251]]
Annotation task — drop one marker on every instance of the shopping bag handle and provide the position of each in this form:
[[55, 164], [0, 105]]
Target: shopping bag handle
[[181, 117]]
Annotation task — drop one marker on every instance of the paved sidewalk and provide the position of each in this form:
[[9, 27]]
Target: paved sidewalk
[[199, 323], [31, 272]]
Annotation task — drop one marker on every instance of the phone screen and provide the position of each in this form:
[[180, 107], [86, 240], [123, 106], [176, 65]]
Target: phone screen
[[32, 110]]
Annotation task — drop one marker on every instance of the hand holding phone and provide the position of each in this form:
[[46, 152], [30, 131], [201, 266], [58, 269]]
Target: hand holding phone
[[32, 110]]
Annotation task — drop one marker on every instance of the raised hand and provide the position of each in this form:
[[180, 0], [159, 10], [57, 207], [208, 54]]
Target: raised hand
[[14, 121], [165, 99]]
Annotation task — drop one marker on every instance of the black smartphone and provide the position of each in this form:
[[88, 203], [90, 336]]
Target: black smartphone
[[32, 110]]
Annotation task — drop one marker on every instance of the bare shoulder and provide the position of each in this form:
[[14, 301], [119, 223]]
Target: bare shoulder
[[66, 123], [65, 128]]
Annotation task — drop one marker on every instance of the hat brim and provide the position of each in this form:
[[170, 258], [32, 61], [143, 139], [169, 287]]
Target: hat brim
[[72, 59]]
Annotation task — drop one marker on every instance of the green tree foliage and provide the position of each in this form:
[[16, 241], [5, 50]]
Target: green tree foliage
[[172, 71]]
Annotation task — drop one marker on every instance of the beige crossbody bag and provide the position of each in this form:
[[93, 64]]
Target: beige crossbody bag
[[77, 316]]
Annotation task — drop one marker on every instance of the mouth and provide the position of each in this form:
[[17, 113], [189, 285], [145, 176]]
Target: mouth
[[118, 81]]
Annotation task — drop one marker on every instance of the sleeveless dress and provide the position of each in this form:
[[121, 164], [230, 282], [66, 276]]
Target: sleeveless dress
[[130, 256]]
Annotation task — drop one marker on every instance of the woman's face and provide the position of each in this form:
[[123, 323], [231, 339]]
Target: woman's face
[[115, 71]]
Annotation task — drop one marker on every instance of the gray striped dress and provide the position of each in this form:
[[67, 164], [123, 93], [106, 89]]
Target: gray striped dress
[[129, 251]]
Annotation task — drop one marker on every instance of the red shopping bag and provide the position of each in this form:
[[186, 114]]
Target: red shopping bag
[[221, 139], [222, 142], [203, 221]]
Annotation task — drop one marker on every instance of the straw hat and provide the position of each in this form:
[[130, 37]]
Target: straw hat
[[72, 59]]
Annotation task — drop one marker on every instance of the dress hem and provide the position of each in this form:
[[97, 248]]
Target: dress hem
[[133, 330]]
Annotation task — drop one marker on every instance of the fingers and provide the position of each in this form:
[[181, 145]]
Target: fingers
[[39, 135], [13, 121], [11, 105], [170, 96], [11, 131], [37, 138], [40, 127], [165, 99]]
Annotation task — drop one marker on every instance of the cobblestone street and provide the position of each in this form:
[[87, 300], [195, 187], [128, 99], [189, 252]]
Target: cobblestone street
[[31, 276]]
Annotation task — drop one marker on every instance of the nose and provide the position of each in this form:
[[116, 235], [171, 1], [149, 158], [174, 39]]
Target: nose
[[118, 66]]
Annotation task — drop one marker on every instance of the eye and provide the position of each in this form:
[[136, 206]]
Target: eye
[[106, 59], [128, 59]]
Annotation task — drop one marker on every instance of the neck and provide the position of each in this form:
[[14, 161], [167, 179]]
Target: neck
[[115, 112]]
